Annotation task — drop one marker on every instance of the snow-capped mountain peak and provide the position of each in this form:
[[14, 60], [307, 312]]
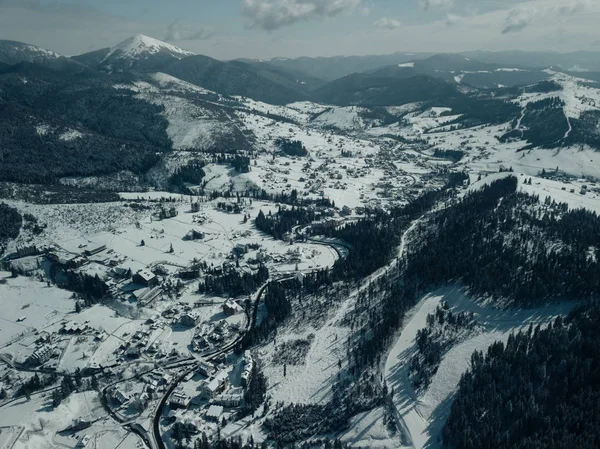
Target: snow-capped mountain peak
[[140, 46]]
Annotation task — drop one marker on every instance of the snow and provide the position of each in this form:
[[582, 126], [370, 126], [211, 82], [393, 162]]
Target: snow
[[422, 416], [510, 70], [368, 430], [42, 130], [576, 93], [40, 304], [140, 45], [347, 118], [406, 64], [191, 125], [175, 84], [310, 383], [41, 422], [70, 135]]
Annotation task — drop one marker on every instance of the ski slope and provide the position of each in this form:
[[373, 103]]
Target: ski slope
[[422, 416]]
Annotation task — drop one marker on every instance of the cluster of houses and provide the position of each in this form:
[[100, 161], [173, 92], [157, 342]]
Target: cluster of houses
[[207, 336], [215, 393]]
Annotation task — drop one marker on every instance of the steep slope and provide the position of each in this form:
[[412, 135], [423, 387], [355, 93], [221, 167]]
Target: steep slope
[[57, 124], [236, 78], [293, 79], [13, 52], [93, 58], [141, 53]]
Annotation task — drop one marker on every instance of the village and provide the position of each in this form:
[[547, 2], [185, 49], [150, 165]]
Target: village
[[161, 349]]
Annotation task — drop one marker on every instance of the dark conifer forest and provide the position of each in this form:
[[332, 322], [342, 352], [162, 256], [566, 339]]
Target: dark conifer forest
[[540, 390]]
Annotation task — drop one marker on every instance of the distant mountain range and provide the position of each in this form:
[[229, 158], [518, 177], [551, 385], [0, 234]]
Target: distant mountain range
[[282, 80], [122, 109]]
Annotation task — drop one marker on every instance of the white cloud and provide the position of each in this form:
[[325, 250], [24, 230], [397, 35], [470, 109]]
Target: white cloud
[[523, 16], [387, 23], [273, 14], [179, 32], [573, 7], [435, 4], [453, 19], [519, 18]]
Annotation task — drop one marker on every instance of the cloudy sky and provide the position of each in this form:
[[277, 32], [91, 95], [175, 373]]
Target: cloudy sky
[[264, 29]]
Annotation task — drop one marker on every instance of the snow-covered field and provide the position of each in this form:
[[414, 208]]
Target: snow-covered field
[[29, 305], [423, 416]]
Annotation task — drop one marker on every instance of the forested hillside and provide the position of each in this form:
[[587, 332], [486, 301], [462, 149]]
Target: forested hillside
[[540, 390], [57, 125], [10, 224], [509, 244]]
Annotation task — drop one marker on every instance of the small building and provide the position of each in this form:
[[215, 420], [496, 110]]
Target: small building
[[194, 235], [95, 250], [231, 307], [189, 274], [214, 413], [133, 352], [71, 327], [189, 319], [212, 388], [206, 368], [83, 441], [25, 251], [145, 278], [233, 399], [191, 425], [40, 356], [122, 272], [146, 295], [78, 424], [179, 399], [121, 397], [167, 213], [240, 249]]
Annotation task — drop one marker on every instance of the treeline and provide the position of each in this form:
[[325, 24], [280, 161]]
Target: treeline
[[10, 224], [290, 198], [240, 163], [497, 242], [91, 288], [191, 173], [297, 422], [443, 330], [33, 384], [540, 390], [238, 443], [544, 124], [291, 147], [233, 282], [375, 239], [256, 392], [284, 220], [451, 155], [38, 155], [278, 307], [508, 244], [55, 194]]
